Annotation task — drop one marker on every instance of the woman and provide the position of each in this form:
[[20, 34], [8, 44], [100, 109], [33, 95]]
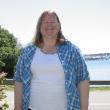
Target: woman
[[51, 73]]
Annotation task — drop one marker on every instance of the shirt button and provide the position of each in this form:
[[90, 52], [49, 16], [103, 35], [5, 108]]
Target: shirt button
[[68, 94], [66, 71]]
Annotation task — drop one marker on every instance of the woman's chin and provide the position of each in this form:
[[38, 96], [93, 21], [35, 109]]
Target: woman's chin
[[49, 36]]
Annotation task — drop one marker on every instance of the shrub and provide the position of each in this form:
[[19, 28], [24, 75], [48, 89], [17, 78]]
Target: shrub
[[3, 102]]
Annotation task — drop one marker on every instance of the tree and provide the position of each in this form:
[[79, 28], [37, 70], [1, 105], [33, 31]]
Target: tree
[[9, 51]]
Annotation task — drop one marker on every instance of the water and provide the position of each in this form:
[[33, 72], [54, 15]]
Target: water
[[99, 69]]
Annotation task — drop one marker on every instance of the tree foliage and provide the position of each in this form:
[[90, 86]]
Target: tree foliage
[[9, 51]]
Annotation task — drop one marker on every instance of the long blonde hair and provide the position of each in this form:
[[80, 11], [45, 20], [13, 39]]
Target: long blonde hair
[[37, 40]]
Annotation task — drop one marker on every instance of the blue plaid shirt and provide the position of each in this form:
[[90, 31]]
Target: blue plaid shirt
[[74, 66]]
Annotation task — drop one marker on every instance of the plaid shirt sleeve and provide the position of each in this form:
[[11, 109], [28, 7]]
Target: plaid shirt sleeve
[[19, 68], [81, 68]]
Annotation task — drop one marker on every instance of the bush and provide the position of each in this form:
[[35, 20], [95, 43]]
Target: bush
[[3, 102]]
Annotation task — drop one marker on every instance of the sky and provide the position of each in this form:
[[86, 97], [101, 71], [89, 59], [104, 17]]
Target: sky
[[86, 23]]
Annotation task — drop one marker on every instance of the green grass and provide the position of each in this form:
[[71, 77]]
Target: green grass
[[105, 88], [9, 87]]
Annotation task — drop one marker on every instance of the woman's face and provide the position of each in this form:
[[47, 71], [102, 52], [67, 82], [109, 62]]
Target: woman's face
[[50, 26]]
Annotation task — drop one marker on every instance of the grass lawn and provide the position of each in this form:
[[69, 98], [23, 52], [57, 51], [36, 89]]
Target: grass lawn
[[9, 87], [103, 88]]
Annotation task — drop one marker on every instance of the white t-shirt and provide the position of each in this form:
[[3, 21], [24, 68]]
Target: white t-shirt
[[48, 83]]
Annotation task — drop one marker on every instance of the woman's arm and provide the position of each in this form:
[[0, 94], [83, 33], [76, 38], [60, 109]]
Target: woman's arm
[[84, 94], [18, 95]]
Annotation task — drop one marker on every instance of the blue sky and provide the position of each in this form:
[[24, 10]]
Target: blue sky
[[86, 23]]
